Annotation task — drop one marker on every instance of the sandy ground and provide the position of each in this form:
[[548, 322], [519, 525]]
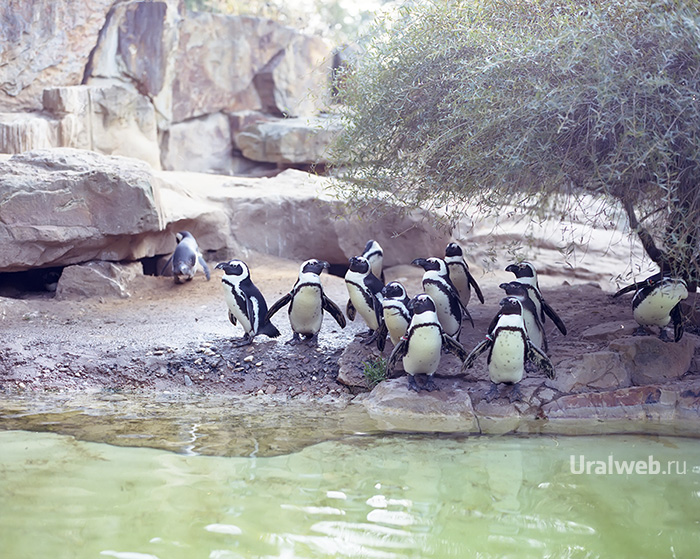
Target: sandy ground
[[169, 337]]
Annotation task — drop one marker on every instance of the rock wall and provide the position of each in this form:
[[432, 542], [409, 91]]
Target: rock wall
[[145, 76]]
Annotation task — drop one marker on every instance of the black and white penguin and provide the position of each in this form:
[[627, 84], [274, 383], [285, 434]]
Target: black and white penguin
[[460, 276], [436, 283], [509, 349], [307, 301], [245, 302], [656, 302], [374, 254], [365, 294], [526, 274], [186, 259], [531, 318], [396, 315], [421, 347]]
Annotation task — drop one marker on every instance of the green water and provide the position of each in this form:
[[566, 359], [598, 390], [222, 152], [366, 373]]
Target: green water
[[359, 496]]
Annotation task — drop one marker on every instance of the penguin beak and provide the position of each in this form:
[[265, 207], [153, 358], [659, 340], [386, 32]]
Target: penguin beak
[[220, 265], [512, 268], [420, 262]]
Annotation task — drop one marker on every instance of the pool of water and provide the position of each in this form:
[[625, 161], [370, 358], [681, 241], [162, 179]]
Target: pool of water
[[365, 496]]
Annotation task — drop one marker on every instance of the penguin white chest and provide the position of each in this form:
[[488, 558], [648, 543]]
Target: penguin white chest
[[424, 348], [442, 305], [238, 312], [655, 309], [460, 281], [507, 359], [305, 314], [357, 296], [396, 324]]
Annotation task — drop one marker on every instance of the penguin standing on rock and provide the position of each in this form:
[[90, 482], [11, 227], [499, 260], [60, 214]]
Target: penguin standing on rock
[[421, 347], [186, 259], [245, 302], [307, 301], [526, 274], [459, 274], [374, 254], [365, 294], [396, 315], [509, 349], [657, 302], [437, 284]]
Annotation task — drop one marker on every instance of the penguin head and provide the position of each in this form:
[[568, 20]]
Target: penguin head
[[234, 268], [431, 264], [514, 288], [182, 235], [359, 264], [372, 248], [313, 266], [522, 270], [394, 290], [421, 303], [511, 305], [453, 249]]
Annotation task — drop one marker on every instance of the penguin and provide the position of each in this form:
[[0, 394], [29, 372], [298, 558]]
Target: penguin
[[421, 347], [533, 324], [657, 302], [307, 301], [526, 274], [509, 349], [186, 259], [374, 254], [460, 276], [365, 294], [437, 284], [396, 316], [245, 302]]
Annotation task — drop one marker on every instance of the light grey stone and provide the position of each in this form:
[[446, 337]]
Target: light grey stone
[[97, 279]]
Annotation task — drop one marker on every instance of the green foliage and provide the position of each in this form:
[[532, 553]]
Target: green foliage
[[481, 103], [375, 371]]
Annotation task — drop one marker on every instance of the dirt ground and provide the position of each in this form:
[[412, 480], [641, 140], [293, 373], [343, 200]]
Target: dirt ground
[[168, 337]]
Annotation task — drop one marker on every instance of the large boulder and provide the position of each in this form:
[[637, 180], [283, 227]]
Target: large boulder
[[135, 47], [651, 360], [219, 57], [42, 43], [66, 206], [111, 119], [289, 141]]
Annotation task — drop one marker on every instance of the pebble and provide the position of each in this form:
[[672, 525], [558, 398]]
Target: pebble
[[248, 358]]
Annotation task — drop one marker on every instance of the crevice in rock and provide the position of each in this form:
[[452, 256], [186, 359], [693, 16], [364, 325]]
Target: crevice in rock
[[30, 283]]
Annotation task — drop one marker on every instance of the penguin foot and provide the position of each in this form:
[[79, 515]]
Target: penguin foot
[[294, 340], [515, 395], [429, 384], [641, 331], [412, 384], [244, 341], [492, 394], [663, 336], [369, 337]]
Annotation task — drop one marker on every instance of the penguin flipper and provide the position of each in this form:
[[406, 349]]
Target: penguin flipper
[[538, 357], [677, 318], [165, 266], [466, 312], [380, 334], [494, 322], [397, 353], [281, 302], [549, 311], [476, 287], [350, 310], [478, 350], [205, 267], [334, 310], [453, 346], [232, 318]]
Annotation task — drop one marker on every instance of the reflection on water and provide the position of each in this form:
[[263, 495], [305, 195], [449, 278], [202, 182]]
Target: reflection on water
[[361, 496]]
